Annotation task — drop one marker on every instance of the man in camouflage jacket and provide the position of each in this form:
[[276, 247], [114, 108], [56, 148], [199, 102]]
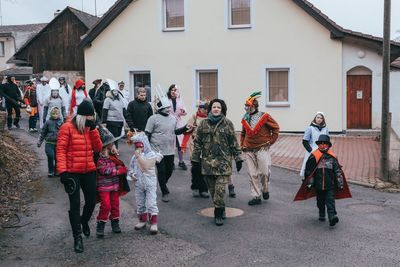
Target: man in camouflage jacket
[[215, 146]]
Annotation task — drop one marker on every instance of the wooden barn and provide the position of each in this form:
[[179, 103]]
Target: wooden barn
[[55, 47]]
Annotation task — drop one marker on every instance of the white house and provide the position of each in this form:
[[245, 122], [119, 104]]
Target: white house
[[301, 60]]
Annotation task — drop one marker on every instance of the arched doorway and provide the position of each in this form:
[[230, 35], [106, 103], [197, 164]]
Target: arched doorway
[[359, 98]]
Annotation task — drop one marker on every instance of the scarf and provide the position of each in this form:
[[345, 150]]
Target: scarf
[[73, 100], [214, 119], [319, 127]]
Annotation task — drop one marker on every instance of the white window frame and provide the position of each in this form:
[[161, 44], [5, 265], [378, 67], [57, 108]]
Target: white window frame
[[290, 89], [131, 79], [164, 16], [197, 72], [239, 26]]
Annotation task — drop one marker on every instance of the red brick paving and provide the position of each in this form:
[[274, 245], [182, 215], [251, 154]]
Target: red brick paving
[[359, 156]]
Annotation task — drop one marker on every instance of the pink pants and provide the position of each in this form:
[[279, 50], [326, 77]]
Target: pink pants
[[109, 206]]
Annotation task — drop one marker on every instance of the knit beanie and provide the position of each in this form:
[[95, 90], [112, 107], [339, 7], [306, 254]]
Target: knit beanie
[[85, 108]]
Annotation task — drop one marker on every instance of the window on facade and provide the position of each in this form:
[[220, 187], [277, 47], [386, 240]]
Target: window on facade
[[2, 49], [240, 14], [208, 84], [174, 14], [141, 79], [277, 86]]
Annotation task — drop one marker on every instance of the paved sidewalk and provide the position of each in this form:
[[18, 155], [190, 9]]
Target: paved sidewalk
[[358, 155]]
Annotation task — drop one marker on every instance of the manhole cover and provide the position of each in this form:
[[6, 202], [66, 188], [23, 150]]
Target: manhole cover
[[366, 207], [230, 212]]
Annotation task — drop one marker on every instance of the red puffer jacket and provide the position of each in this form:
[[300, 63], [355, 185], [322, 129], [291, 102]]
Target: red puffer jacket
[[74, 151]]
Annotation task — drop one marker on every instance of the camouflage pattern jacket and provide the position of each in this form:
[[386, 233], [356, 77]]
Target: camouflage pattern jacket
[[216, 146]]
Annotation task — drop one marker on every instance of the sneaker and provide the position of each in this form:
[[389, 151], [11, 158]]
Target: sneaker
[[254, 201], [195, 193], [142, 221], [333, 221], [165, 198], [17, 125], [182, 165], [34, 130], [266, 195], [321, 219], [31, 130], [204, 194], [50, 174]]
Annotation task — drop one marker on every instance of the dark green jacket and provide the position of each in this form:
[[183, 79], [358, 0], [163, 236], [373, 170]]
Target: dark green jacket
[[215, 147]]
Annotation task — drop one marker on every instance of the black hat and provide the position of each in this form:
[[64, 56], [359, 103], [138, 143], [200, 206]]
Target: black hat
[[86, 108], [106, 136], [325, 139]]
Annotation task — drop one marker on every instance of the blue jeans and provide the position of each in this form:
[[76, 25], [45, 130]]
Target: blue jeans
[[50, 150]]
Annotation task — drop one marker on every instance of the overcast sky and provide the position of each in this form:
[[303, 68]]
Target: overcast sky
[[359, 15]]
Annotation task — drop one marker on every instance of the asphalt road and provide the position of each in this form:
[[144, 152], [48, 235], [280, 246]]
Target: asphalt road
[[279, 232]]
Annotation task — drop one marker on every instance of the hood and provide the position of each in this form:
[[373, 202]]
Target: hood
[[142, 137]]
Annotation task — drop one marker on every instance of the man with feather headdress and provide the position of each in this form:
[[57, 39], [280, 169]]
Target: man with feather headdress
[[259, 132]]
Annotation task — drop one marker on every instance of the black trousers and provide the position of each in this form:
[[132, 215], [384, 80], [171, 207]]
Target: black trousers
[[115, 128], [86, 182], [164, 172], [198, 181], [10, 106], [326, 198]]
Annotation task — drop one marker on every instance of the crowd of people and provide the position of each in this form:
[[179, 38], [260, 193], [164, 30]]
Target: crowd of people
[[81, 130]]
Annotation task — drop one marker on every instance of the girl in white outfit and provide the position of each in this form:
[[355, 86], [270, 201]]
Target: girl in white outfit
[[311, 134], [142, 170]]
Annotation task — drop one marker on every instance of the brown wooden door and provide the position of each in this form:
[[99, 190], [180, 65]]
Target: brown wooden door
[[359, 99]]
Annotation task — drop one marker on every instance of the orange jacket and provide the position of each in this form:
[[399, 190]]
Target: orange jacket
[[74, 151]]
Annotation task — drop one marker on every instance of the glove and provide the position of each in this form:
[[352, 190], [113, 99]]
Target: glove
[[39, 144], [239, 165], [122, 170], [91, 124], [64, 177]]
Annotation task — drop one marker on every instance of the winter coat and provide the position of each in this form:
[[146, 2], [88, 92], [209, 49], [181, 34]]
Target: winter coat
[[98, 97], [323, 172], [113, 109], [178, 111], [30, 97], [138, 113], [215, 147], [75, 150], [311, 135], [107, 175], [188, 137], [50, 131], [11, 93]]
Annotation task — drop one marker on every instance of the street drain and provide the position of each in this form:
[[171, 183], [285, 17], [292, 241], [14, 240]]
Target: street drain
[[230, 212], [364, 207]]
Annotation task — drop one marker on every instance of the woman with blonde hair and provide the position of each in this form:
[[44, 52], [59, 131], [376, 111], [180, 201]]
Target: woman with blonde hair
[[78, 140]]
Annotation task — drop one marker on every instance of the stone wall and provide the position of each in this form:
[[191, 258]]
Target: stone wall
[[70, 76]]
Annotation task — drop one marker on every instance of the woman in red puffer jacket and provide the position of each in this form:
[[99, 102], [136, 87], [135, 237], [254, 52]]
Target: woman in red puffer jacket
[[77, 142]]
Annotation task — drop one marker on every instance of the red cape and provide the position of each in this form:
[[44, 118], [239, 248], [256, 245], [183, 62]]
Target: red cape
[[306, 193]]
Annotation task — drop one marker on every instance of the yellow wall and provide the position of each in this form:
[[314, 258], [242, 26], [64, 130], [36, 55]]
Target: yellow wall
[[282, 35]]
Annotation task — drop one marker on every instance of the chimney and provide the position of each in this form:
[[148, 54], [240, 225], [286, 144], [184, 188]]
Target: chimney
[[57, 13]]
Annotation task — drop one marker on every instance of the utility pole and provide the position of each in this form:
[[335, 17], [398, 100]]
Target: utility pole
[[95, 8], [385, 124]]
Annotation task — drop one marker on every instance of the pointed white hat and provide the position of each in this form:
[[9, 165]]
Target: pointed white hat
[[54, 84], [113, 84]]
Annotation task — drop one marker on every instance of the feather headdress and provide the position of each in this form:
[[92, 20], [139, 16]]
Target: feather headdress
[[252, 97]]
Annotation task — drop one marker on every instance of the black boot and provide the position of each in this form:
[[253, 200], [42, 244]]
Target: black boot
[[78, 244], [223, 213], [100, 229], [218, 216], [115, 226], [74, 220], [9, 122], [85, 228], [231, 189], [16, 122]]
